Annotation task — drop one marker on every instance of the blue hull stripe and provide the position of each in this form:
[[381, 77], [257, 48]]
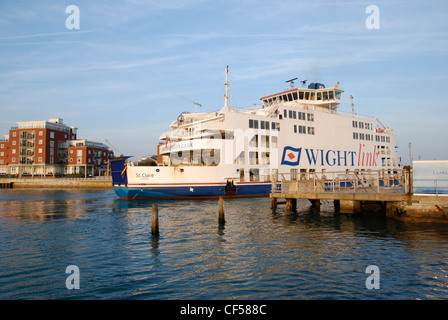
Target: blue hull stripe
[[174, 192]]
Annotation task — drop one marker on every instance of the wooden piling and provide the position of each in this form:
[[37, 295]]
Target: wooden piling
[[274, 203], [221, 218], [155, 220]]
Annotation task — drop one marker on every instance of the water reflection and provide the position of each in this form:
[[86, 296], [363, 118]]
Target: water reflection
[[256, 254]]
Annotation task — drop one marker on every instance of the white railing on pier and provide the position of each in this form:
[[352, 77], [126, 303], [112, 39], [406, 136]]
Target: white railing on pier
[[340, 181]]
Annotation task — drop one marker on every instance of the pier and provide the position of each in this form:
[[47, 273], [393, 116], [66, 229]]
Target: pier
[[94, 182], [354, 192]]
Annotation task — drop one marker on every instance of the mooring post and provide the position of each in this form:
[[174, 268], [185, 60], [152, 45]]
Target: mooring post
[[288, 205], [221, 218], [154, 220], [274, 203]]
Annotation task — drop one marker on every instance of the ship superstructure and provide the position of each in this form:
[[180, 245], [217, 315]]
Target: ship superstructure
[[238, 152]]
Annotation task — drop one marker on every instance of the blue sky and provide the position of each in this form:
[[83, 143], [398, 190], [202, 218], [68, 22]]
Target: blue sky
[[126, 73]]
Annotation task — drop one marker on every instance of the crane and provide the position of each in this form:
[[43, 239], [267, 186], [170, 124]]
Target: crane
[[115, 150], [193, 102], [385, 127]]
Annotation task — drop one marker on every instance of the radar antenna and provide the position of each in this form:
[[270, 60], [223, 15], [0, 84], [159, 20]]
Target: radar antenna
[[291, 82]]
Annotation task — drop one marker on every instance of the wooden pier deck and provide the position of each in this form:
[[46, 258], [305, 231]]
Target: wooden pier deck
[[357, 192]]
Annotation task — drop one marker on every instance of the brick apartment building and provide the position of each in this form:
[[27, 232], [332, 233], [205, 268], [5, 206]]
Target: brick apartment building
[[41, 148]]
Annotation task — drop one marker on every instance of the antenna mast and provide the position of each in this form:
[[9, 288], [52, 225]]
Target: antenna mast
[[226, 96], [351, 105]]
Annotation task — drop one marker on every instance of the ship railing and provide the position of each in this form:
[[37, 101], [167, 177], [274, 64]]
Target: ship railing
[[372, 181]]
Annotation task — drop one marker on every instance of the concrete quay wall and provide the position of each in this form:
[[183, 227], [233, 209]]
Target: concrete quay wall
[[59, 183]]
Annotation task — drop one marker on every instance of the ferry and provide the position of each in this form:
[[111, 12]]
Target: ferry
[[291, 134]]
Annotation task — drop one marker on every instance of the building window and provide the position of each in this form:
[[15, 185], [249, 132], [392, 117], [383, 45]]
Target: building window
[[14, 134], [14, 142], [40, 141], [39, 159], [13, 151], [51, 135], [41, 133]]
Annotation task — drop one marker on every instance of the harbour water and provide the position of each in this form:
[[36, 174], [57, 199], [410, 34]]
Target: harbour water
[[257, 254]]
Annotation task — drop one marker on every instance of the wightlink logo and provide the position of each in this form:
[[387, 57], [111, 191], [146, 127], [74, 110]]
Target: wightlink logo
[[340, 158]]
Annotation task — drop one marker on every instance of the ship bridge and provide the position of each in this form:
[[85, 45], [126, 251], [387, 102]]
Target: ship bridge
[[316, 94]]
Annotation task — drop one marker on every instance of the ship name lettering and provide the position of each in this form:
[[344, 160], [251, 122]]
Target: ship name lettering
[[144, 175]]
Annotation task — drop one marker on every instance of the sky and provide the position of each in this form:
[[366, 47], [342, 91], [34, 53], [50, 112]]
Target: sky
[[132, 66]]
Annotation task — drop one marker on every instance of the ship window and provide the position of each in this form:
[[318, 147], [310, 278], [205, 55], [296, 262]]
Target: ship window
[[274, 142], [313, 96], [325, 95], [294, 115], [302, 129], [265, 141], [253, 157], [290, 114], [285, 113], [255, 124], [311, 130], [310, 117], [254, 141], [290, 97], [239, 159], [307, 96], [295, 128], [301, 95], [338, 95], [285, 97], [319, 96], [331, 95], [251, 123], [261, 124], [361, 125], [355, 124], [265, 158], [294, 95]]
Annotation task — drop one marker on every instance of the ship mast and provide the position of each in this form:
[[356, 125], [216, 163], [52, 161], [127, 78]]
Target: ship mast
[[226, 96]]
